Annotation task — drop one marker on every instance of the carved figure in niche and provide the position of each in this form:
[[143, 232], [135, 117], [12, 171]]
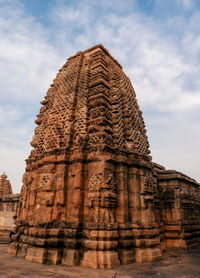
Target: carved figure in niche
[[94, 195], [149, 190], [149, 185], [102, 197], [27, 180], [108, 190], [23, 200]]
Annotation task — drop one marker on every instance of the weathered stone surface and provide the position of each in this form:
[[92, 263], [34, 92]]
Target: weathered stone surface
[[8, 206], [180, 209], [5, 186], [91, 194]]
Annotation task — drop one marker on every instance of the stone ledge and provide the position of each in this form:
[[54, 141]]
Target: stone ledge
[[173, 174]]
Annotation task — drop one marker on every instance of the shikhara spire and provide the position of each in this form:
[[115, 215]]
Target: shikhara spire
[[91, 104], [5, 186]]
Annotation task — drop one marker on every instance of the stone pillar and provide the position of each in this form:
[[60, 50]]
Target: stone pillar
[[101, 228]]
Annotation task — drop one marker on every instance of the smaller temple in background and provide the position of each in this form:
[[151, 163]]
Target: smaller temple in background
[[8, 206], [5, 186]]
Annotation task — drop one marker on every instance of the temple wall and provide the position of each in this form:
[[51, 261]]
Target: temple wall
[[179, 209], [8, 208]]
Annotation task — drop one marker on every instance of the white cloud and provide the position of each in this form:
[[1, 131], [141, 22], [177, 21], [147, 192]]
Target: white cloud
[[27, 61], [159, 64], [13, 163], [186, 4]]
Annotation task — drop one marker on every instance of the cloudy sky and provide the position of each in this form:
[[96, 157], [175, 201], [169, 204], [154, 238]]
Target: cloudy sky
[[157, 43]]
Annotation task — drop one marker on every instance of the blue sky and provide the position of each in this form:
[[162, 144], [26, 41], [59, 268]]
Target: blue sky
[[157, 43]]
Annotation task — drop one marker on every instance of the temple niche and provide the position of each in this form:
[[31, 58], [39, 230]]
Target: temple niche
[[91, 194]]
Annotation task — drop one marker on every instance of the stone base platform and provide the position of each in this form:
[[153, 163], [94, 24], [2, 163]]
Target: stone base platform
[[184, 263]]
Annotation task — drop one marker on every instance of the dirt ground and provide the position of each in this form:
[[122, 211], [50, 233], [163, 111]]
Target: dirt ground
[[173, 264]]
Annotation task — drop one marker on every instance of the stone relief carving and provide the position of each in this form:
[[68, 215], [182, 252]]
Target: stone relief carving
[[46, 181], [101, 191]]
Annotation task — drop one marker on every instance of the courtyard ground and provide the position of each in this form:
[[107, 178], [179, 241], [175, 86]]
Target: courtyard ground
[[174, 264]]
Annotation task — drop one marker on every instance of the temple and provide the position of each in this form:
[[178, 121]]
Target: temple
[[91, 194], [8, 207], [5, 186]]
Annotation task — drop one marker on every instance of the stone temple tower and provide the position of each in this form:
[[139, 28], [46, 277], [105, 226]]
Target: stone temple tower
[[89, 195], [5, 185]]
